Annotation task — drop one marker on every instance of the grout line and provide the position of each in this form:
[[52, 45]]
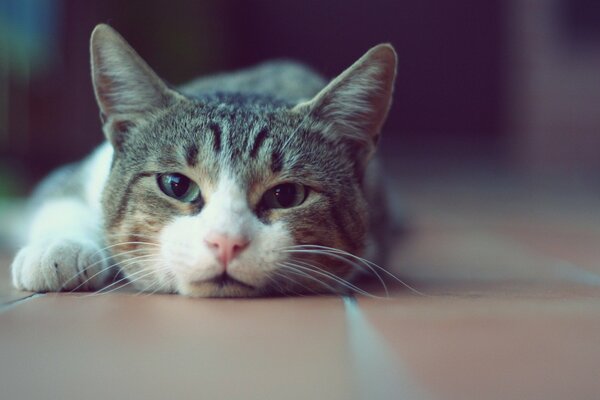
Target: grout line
[[379, 374], [14, 303]]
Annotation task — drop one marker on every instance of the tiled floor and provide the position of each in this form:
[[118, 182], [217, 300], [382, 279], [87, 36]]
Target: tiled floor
[[504, 316]]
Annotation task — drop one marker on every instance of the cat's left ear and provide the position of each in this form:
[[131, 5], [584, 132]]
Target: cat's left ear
[[354, 106]]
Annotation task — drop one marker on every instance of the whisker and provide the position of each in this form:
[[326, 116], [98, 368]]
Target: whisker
[[103, 291], [159, 285], [102, 260], [337, 255], [128, 279], [275, 283], [340, 281], [304, 274], [306, 266], [296, 269], [326, 249], [336, 279], [124, 263]]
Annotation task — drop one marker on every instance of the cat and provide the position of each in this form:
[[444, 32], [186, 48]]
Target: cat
[[256, 182]]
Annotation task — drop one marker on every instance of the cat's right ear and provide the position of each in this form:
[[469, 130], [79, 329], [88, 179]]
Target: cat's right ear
[[126, 88]]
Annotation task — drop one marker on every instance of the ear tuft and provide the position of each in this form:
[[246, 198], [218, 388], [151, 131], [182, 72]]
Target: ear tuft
[[354, 105], [126, 88]]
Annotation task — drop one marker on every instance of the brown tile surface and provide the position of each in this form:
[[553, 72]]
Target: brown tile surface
[[126, 346], [522, 343]]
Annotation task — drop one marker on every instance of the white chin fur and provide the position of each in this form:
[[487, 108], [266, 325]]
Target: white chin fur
[[214, 290]]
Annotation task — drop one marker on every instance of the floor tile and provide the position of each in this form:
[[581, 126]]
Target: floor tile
[[517, 344], [126, 346]]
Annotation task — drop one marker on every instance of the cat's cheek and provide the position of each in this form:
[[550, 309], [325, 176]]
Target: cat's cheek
[[183, 254], [264, 256], [151, 277]]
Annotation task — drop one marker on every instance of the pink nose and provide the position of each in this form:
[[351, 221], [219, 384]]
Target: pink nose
[[226, 247]]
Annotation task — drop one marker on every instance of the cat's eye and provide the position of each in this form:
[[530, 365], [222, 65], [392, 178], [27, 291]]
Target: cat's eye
[[286, 195], [179, 187]]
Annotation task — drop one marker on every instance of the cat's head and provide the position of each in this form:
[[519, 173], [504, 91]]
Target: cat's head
[[224, 196]]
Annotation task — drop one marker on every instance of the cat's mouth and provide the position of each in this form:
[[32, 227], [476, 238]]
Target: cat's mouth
[[225, 280], [220, 286]]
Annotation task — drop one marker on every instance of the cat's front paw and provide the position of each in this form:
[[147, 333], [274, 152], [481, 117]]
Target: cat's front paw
[[61, 264]]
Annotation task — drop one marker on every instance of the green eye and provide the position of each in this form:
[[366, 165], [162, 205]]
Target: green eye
[[179, 187], [286, 195]]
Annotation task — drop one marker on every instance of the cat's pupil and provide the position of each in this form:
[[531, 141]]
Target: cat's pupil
[[285, 194], [179, 185]]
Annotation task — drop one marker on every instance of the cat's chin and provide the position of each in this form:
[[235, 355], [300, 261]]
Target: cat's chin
[[217, 289]]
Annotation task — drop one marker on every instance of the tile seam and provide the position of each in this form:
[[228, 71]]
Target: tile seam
[[14, 303]]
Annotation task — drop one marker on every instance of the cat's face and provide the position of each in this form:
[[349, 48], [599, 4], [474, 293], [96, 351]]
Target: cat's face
[[218, 190], [210, 197]]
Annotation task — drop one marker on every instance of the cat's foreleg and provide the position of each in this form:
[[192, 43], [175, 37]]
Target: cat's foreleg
[[64, 250]]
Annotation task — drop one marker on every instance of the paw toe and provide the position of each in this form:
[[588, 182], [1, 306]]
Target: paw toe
[[59, 265]]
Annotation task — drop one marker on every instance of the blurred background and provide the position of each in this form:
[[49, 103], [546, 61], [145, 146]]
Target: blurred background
[[502, 85]]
